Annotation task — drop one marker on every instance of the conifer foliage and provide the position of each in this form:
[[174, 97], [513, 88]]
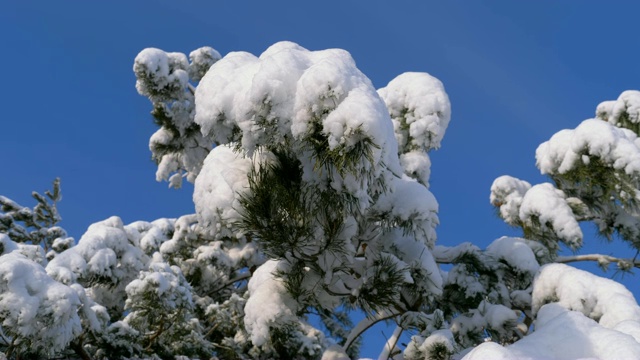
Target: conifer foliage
[[312, 201]]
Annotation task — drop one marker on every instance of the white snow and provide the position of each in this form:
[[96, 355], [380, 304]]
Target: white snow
[[603, 300], [541, 206], [414, 257], [616, 147], [417, 165], [567, 335], [420, 110], [33, 305], [104, 251], [217, 190], [628, 103], [162, 282], [506, 194], [549, 206], [516, 253], [335, 352], [290, 93], [201, 60], [269, 303], [409, 200], [166, 70], [589, 317]]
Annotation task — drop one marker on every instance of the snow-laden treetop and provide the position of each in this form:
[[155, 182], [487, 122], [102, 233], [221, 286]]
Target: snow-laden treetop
[[296, 151], [311, 194], [289, 94]]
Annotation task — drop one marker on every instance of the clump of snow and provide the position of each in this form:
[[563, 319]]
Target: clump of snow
[[564, 335], [603, 300], [628, 105], [335, 352], [541, 207], [160, 74], [7, 245], [171, 164], [409, 201], [431, 347], [548, 206], [290, 93], [499, 317], [269, 303], [614, 146], [33, 306], [104, 252], [516, 253], [417, 165], [34, 253], [495, 317], [414, 258], [177, 147], [94, 316], [578, 316], [506, 194], [217, 190], [163, 283], [420, 110], [62, 243], [201, 60]]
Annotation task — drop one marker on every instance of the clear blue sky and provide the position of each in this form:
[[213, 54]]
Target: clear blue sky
[[516, 72]]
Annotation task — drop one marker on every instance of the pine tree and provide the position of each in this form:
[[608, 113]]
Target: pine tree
[[312, 201]]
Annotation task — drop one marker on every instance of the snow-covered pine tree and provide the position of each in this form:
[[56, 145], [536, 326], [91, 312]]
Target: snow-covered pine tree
[[595, 169], [311, 201]]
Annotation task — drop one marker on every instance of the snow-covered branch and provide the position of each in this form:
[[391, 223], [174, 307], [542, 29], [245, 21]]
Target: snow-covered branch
[[602, 260], [367, 323]]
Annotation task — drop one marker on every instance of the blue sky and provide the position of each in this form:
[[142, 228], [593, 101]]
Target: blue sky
[[516, 72]]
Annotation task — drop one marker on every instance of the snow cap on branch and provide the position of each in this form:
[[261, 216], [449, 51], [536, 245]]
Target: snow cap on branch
[[269, 305], [615, 147], [40, 314], [315, 103], [623, 112], [419, 108]]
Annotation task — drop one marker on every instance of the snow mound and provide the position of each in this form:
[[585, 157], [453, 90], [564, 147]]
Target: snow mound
[[565, 335], [603, 300], [578, 316]]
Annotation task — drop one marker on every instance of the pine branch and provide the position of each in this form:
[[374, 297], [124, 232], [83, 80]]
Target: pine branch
[[240, 277], [77, 347], [390, 344], [367, 323], [603, 260]]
